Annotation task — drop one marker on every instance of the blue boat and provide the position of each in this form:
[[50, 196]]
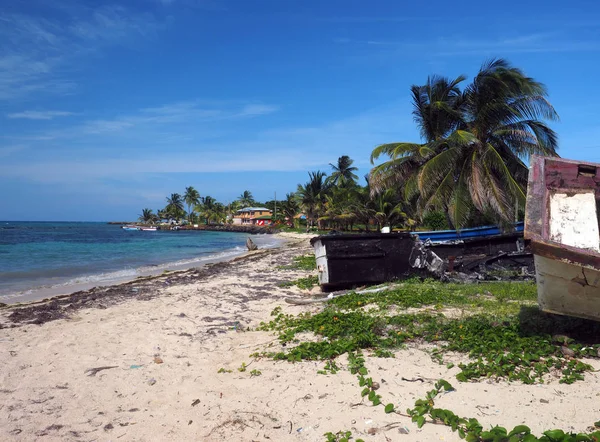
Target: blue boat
[[475, 232], [130, 228]]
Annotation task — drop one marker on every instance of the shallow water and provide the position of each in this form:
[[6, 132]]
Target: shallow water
[[63, 256]]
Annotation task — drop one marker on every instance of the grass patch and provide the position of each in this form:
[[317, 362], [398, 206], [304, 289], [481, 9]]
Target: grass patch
[[499, 328], [302, 283], [305, 262]]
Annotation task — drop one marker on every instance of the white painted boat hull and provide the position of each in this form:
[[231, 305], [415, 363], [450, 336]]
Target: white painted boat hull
[[568, 289]]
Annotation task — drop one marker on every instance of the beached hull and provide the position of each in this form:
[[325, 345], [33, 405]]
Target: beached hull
[[562, 224], [350, 260]]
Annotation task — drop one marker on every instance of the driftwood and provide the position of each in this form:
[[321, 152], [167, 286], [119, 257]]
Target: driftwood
[[250, 244], [93, 371]]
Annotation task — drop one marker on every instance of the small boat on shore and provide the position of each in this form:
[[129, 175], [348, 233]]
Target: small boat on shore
[[562, 224], [149, 229]]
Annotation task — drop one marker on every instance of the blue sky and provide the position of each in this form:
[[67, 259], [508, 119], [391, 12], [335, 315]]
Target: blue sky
[[108, 107]]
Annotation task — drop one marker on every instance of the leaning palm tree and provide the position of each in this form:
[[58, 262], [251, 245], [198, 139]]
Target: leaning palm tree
[[475, 160], [313, 195], [343, 172], [191, 198], [246, 199]]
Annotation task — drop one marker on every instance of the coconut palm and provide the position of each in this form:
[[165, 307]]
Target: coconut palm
[[191, 198], [174, 207], [475, 147], [290, 207], [343, 172], [246, 199], [147, 216], [387, 209], [313, 195]]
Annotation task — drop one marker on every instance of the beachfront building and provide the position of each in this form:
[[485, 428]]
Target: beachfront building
[[255, 216]]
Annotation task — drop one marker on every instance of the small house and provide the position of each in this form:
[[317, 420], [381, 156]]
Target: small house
[[254, 216]]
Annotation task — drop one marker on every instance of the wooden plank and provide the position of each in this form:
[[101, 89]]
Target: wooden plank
[[536, 195]]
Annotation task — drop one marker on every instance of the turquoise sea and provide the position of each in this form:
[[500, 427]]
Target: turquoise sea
[[55, 257]]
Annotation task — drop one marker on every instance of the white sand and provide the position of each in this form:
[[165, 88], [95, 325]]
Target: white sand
[[44, 390]]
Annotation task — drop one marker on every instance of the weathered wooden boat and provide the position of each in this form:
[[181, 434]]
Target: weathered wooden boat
[[474, 232], [561, 223], [350, 260]]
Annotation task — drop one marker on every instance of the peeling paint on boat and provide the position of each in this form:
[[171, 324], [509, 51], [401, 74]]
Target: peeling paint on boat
[[573, 220]]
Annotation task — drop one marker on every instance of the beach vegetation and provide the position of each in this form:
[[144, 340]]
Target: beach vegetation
[[303, 262], [306, 283], [340, 436], [496, 326]]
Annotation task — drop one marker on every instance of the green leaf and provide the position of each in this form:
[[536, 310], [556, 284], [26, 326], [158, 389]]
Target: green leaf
[[554, 434], [420, 421], [365, 392], [389, 408], [363, 371], [520, 429]]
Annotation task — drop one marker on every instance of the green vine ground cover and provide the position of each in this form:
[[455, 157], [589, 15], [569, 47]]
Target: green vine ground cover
[[497, 325]]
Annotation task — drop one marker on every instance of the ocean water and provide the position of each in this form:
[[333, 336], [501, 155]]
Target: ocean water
[[61, 257]]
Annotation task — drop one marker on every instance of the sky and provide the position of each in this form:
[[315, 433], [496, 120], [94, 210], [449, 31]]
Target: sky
[[108, 107]]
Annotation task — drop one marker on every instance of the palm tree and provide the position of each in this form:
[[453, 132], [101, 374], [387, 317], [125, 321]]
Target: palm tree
[[290, 208], [147, 216], [174, 206], [191, 198], [246, 199], [475, 147], [313, 195], [343, 173], [387, 209]]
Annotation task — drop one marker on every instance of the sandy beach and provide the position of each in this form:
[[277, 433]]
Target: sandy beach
[[159, 343]]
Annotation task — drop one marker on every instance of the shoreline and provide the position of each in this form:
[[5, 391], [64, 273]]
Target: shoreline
[[42, 292]]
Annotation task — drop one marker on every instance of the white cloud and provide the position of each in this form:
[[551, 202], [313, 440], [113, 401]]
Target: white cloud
[[39, 115], [281, 150], [36, 51], [553, 41], [188, 112]]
